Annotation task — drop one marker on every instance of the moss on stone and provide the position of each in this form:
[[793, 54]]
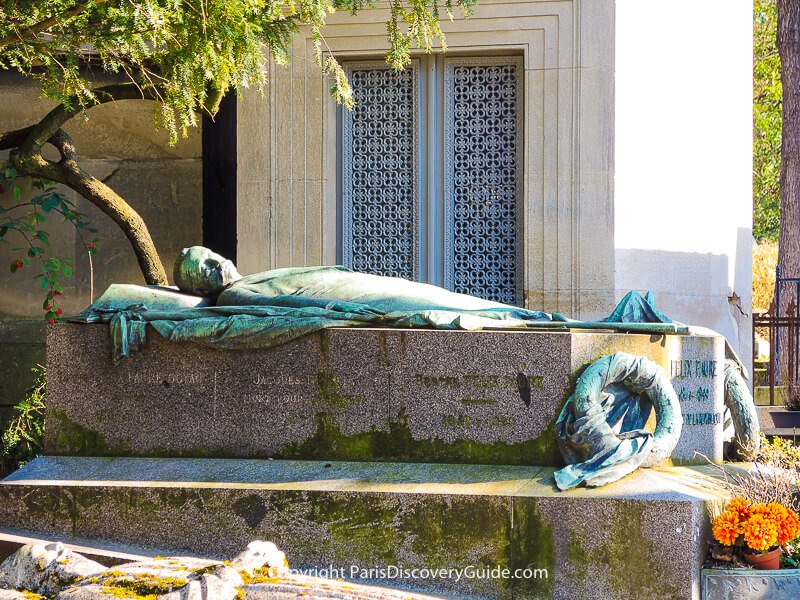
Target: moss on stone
[[532, 547], [397, 443], [369, 530], [360, 531], [142, 587], [260, 575], [75, 439], [201, 571], [330, 392], [578, 558], [632, 571]]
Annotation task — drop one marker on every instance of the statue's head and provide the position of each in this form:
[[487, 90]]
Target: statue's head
[[201, 272]]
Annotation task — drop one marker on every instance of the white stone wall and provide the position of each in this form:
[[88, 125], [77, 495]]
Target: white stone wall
[[683, 160]]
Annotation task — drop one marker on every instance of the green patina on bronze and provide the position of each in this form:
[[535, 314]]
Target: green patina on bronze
[[397, 443], [270, 308]]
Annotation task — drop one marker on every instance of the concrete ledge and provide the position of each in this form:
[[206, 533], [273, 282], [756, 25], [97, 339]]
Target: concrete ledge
[[642, 537]]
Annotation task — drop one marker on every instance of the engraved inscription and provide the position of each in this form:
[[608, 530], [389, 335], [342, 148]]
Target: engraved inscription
[[489, 382], [693, 382], [692, 369], [702, 419], [172, 378], [284, 379], [479, 390]]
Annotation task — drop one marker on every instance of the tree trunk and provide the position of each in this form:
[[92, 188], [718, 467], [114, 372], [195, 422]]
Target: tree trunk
[[789, 237], [789, 50]]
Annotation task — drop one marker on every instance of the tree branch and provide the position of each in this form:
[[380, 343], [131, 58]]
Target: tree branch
[[34, 30], [12, 139], [45, 129], [68, 171]]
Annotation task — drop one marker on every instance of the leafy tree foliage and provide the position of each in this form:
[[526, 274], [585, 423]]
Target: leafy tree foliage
[[767, 104], [25, 215], [182, 54]]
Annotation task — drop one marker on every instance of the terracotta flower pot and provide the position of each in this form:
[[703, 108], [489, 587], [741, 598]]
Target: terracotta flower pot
[[768, 561]]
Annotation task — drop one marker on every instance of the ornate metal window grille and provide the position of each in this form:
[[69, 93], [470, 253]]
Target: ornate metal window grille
[[482, 184], [380, 171], [443, 207]]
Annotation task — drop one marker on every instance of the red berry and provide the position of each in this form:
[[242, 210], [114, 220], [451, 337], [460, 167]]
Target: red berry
[[90, 246], [59, 311], [48, 307], [19, 264], [51, 321], [58, 294]]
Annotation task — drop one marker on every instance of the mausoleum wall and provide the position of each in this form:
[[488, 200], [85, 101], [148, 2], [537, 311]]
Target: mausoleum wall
[[289, 179], [636, 170]]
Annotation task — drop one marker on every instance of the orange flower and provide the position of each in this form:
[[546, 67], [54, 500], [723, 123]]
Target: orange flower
[[760, 532], [773, 510], [727, 528], [741, 507], [789, 527]]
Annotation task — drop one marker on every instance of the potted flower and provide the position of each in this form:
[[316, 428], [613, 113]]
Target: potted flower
[[759, 531]]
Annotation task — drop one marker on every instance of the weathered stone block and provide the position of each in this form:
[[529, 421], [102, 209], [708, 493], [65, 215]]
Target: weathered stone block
[[485, 397], [642, 537]]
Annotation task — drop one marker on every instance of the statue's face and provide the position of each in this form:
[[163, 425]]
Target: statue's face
[[201, 272]]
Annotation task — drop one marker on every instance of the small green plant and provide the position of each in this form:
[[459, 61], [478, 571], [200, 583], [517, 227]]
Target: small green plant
[[22, 440], [26, 203]]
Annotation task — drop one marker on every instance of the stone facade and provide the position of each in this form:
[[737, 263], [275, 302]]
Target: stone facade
[[287, 193], [615, 194], [642, 537]]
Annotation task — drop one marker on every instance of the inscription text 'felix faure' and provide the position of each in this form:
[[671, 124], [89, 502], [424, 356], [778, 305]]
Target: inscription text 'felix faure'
[[688, 379]]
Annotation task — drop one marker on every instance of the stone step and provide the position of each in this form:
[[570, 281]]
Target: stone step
[[488, 397], [777, 417], [642, 537]]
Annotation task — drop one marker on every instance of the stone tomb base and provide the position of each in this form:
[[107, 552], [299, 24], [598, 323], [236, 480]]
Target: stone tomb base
[[355, 394], [642, 537]]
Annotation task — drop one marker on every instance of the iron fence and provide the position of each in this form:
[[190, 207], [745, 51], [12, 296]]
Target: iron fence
[[782, 324]]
